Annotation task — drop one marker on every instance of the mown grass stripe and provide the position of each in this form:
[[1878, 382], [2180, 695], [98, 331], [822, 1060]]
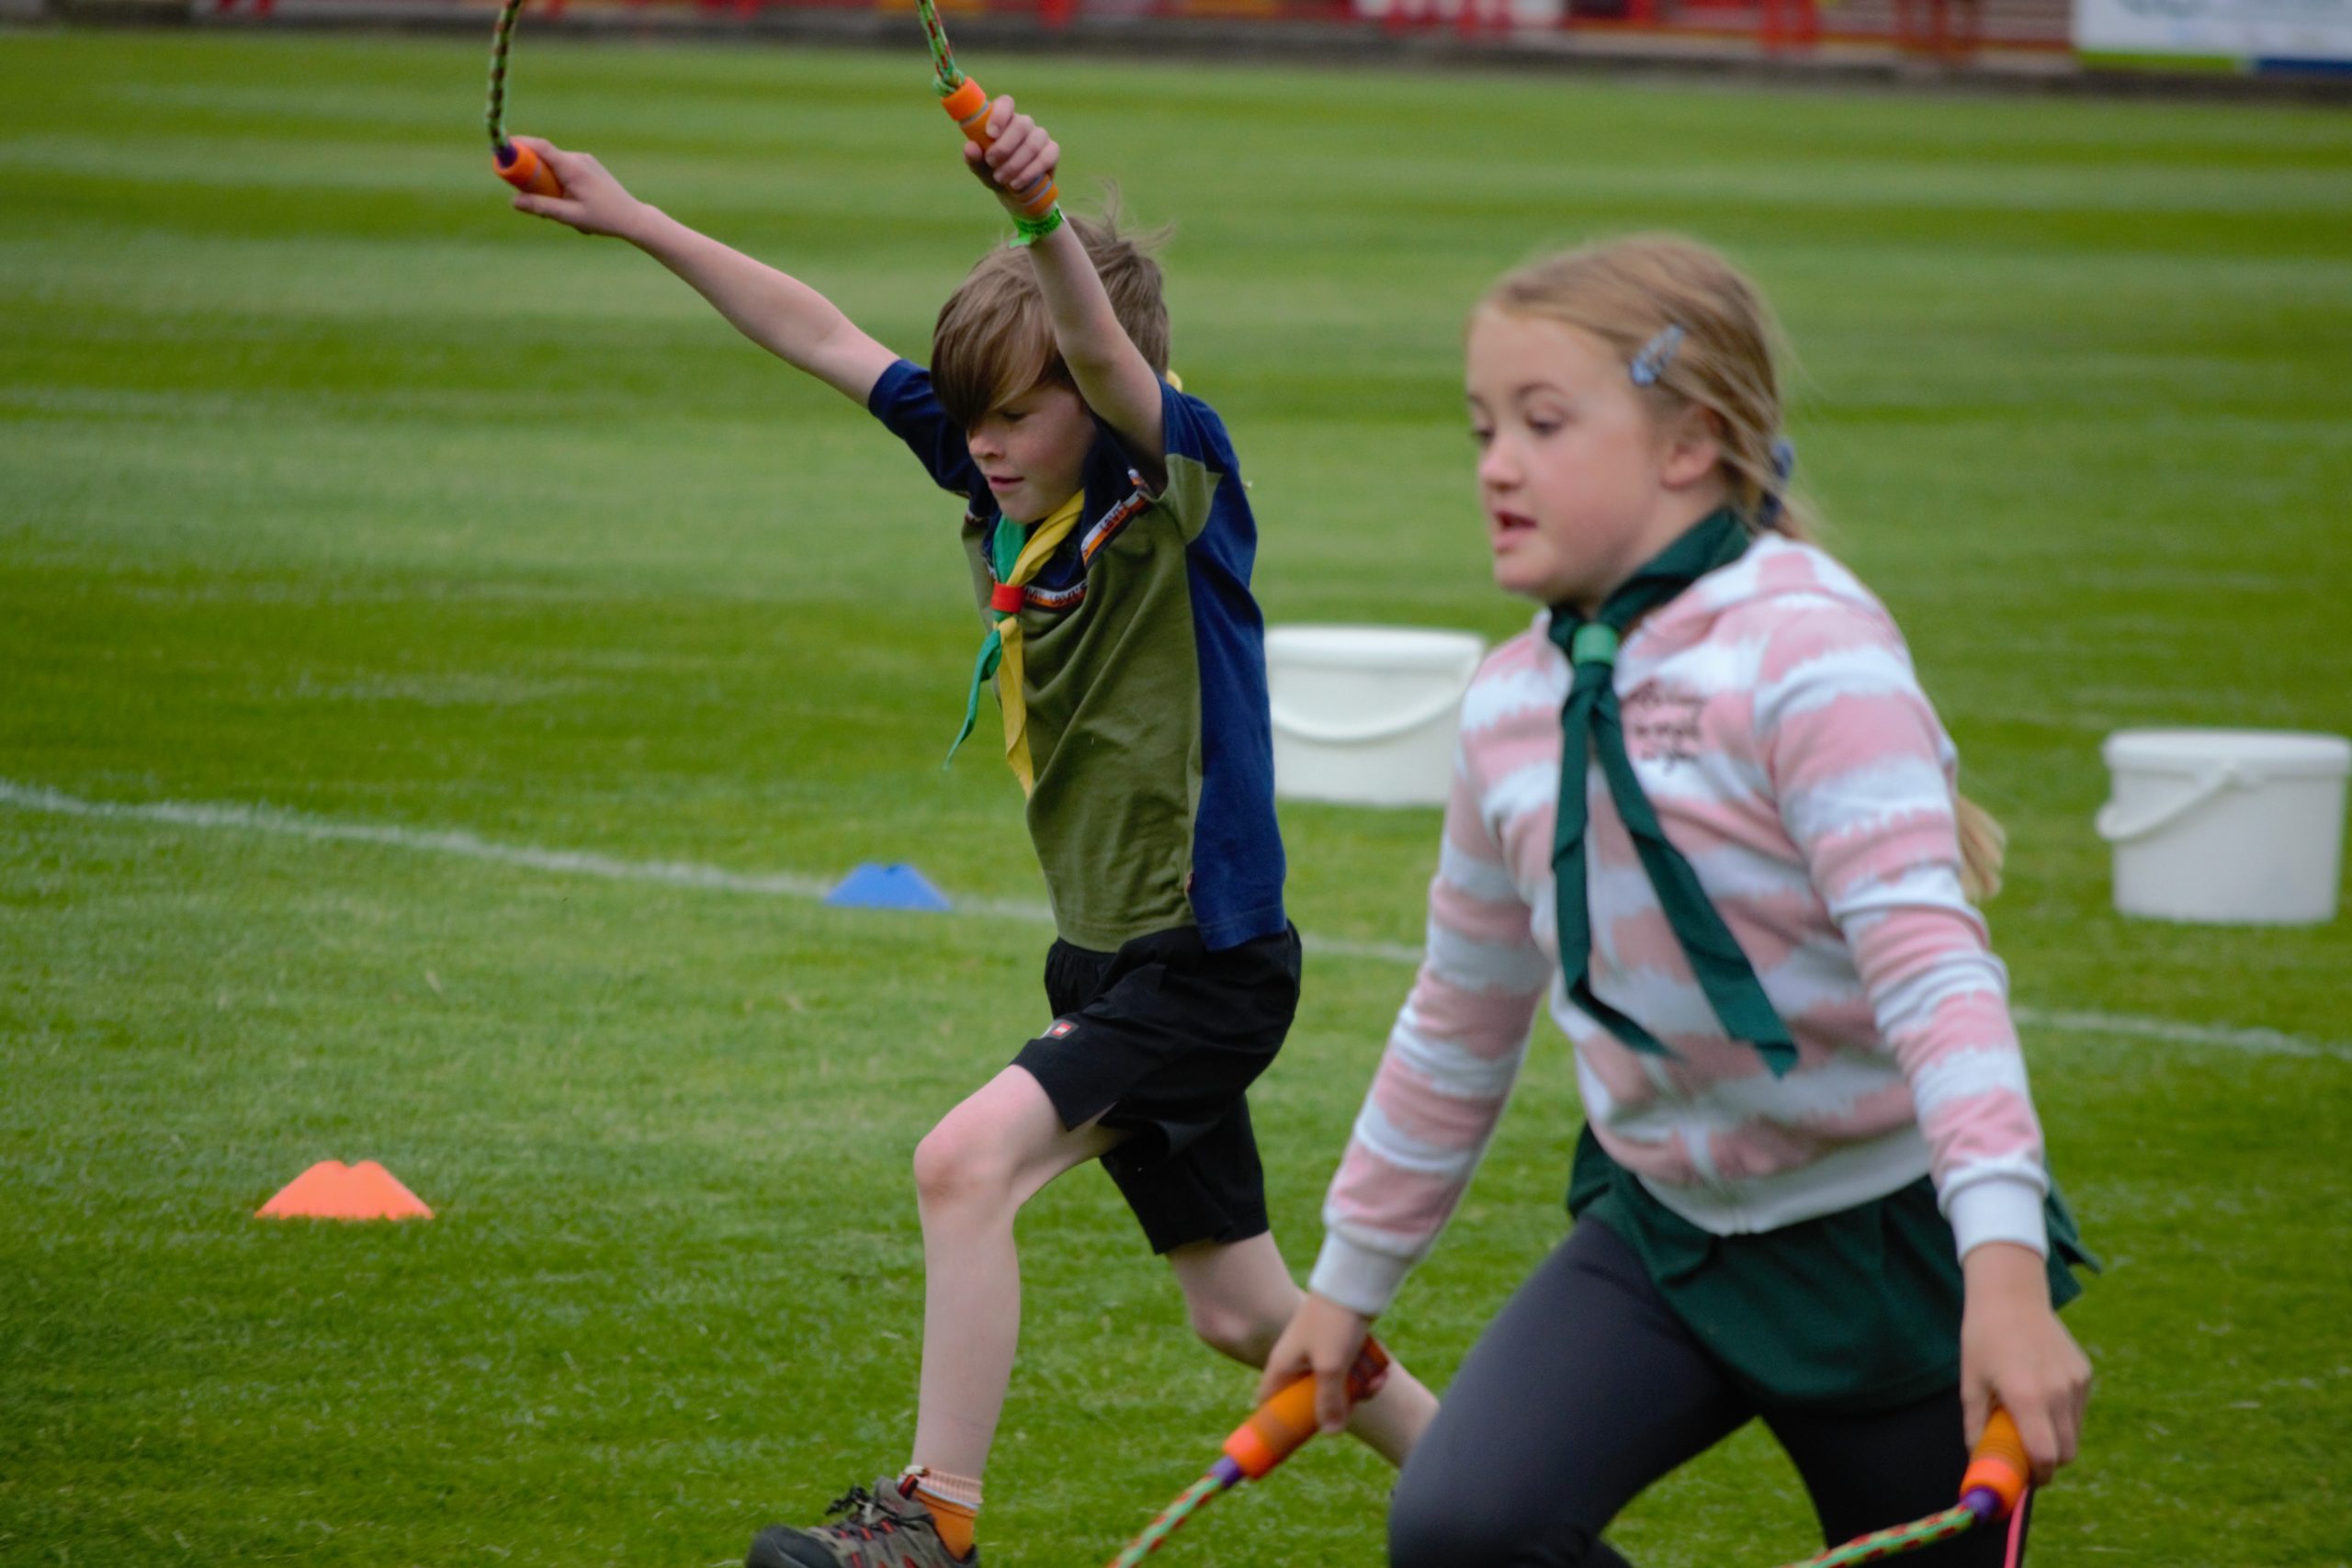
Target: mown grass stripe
[[794, 884]]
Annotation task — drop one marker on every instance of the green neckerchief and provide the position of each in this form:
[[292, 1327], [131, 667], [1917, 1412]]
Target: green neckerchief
[[1590, 725], [1016, 554]]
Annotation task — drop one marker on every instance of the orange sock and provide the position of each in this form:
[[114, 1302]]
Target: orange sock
[[953, 1502]]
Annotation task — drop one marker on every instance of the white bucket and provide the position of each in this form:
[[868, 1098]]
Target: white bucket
[[2240, 826], [1367, 715]]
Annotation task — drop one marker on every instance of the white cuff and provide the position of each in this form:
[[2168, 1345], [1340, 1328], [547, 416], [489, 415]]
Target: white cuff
[[1998, 1208], [1356, 1276]]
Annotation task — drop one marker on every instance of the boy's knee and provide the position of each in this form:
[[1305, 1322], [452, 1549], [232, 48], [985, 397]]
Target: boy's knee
[[1233, 1331], [957, 1165]]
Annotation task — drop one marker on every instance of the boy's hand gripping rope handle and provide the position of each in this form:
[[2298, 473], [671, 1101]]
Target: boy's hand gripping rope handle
[[518, 167], [1273, 1432], [526, 170], [966, 104], [1991, 1490]]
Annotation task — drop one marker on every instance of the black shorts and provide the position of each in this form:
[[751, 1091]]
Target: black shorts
[[1160, 1040]]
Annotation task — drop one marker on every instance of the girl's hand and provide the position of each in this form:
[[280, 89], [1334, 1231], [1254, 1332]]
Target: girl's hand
[[2013, 1349], [1019, 156], [593, 202], [1323, 1338]]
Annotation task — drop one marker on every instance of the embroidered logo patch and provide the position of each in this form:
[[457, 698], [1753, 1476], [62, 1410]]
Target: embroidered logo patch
[[1062, 1026], [1662, 724]]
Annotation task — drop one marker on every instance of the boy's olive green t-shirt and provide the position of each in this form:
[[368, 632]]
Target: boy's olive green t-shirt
[[1144, 676]]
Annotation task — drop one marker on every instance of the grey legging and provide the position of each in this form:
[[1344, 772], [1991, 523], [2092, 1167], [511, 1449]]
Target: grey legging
[[1587, 1388]]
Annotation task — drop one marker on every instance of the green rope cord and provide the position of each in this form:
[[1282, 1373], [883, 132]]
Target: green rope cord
[[946, 77], [1903, 1537], [1176, 1513], [494, 117]]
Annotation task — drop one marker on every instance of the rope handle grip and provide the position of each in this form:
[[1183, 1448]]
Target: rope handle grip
[[525, 170], [1999, 1470], [968, 106], [1276, 1428]]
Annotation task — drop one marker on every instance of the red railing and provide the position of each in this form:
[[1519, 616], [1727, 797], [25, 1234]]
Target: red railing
[[1947, 30]]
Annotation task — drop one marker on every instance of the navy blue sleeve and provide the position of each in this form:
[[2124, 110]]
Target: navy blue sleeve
[[903, 401], [1197, 458], [1192, 428], [1189, 428]]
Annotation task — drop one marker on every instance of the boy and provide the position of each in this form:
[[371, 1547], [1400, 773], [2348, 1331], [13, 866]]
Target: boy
[[1110, 542]]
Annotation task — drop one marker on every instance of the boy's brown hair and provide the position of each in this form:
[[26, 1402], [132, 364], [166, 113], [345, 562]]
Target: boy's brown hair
[[994, 340]]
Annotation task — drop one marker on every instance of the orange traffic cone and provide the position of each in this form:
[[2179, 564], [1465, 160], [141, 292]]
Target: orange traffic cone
[[333, 1191]]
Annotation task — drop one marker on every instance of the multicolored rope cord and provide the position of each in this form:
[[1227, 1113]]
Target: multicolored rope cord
[[1175, 1514], [943, 58], [1993, 1489], [1272, 1435], [518, 167], [1879, 1544]]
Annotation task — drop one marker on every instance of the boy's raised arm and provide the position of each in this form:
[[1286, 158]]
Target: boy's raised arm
[[779, 312], [1112, 374]]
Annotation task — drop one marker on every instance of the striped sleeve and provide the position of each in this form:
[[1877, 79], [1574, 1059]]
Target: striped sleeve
[[1863, 774], [1445, 1074]]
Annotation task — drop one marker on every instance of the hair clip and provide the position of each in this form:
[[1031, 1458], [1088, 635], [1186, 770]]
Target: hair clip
[[1656, 355], [1785, 463]]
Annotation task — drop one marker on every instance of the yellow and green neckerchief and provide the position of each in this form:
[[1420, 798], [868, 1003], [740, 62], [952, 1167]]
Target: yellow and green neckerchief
[[1015, 554]]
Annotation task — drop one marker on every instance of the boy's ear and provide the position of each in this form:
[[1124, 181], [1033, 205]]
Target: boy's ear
[[1694, 445]]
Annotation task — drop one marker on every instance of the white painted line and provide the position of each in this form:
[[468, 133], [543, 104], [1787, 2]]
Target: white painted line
[[788, 885], [2257, 1042], [293, 825]]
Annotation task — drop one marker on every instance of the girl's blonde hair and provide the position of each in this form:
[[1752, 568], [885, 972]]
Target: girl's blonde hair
[[1720, 351]]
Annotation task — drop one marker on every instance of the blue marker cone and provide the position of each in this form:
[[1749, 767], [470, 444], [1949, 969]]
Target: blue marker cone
[[895, 886]]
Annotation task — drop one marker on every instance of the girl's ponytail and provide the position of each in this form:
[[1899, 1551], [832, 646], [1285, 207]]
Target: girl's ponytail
[[1983, 842]]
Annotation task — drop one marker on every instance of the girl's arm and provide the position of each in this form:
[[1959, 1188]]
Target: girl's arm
[[1443, 1079], [1112, 374], [1862, 772], [2015, 1352], [780, 313]]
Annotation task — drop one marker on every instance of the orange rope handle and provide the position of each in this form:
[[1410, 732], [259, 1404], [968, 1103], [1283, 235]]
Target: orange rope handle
[[1276, 1428], [1998, 1464], [968, 106], [525, 170]]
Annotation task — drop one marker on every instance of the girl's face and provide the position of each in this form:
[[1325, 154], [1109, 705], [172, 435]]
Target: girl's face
[[1033, 450], [1581, 482]]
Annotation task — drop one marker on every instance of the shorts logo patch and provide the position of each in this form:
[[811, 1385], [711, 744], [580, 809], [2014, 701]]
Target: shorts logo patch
[[1062, 1026]]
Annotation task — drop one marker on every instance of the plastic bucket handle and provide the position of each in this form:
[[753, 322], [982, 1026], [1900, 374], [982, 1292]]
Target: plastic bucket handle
[[2117, 829], [1383, 729]]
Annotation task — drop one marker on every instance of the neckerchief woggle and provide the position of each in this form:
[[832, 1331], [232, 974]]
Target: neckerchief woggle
[[1015, 554], [1592, 726]]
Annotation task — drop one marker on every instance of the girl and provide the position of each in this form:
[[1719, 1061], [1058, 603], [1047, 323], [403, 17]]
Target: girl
[[1704, 804]]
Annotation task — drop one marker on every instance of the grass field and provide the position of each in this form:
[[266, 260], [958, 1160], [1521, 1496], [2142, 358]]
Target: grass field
[[336, 500]]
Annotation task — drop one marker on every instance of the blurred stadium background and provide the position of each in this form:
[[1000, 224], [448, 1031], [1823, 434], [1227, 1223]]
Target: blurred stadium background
[[439, 662]]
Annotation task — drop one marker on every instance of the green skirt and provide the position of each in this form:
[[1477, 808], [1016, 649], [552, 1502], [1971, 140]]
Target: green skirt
[[1853, 1312]]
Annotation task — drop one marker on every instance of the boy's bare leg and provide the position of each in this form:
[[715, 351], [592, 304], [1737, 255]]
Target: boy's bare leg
[[1241, 1297], [973, 1172]]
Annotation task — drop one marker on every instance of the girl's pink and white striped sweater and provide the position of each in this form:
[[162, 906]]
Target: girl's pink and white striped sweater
[[1779, 729]]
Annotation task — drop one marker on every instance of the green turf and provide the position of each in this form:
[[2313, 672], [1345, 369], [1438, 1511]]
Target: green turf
[[328, 485]]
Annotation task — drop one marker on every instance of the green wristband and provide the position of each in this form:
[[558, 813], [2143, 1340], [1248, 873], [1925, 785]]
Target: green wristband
[[1028, 230]]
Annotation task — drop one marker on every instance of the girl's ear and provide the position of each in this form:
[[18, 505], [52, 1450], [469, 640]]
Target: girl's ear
[[1694, 445]]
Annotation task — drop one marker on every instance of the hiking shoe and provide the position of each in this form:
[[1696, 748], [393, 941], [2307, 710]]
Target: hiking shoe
[[881, 1528]]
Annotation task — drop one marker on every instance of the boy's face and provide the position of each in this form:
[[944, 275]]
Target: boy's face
[[1033, 450]]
